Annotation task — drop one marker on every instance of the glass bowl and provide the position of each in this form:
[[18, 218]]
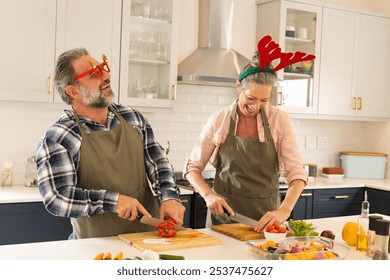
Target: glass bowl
[[299, 248]]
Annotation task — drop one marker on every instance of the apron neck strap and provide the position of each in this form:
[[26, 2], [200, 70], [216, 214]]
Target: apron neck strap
[[263, 118]]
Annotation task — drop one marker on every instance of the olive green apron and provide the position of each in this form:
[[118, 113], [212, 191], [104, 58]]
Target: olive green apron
[[247, 173], [113, 160]]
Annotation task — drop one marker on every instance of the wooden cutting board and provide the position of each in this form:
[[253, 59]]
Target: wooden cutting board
[[183, 240], [239, 231]]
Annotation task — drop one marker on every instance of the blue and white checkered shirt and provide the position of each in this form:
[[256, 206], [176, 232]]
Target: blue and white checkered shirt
[[58, 157]]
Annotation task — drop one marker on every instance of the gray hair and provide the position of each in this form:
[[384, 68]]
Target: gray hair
[[262, 78], [64, 72]]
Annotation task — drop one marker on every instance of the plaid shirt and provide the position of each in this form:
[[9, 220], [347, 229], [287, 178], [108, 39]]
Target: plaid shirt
[[58, 157]]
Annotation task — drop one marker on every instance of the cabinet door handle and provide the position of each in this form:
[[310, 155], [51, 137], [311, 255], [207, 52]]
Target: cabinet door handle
[[360, 103], [50, 85], [354, 103], [184, 200], [306, 194], [173, 92], [340, 196]]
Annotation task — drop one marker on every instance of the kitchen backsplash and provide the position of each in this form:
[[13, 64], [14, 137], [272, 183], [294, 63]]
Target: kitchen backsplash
[[22, 125]]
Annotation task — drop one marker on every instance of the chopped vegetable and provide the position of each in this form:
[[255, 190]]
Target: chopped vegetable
[[99, 256], [171, 257], [107, 256], [167, 228], [275, 228], [152, 255], [119, 256]]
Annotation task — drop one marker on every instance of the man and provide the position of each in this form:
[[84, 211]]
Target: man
[[95, 162]]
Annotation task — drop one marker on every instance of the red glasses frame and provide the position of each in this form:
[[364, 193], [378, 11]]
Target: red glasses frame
[[96, 70]]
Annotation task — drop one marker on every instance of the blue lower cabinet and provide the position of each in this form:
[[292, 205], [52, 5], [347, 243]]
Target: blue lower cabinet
[[303, 209], [337, 202], [186, 200], [30, 222], [379, 201]]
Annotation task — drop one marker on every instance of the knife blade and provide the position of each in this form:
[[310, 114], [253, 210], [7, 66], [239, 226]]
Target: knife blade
[[156, 222], [242, 219]]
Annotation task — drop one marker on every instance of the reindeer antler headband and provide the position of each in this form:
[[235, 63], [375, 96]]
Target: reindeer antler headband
[[269, 51]]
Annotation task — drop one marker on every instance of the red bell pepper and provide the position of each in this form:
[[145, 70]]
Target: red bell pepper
[[167, 228]]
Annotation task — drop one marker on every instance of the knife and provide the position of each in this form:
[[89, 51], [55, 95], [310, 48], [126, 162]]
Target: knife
[[156, 222], [237, 217]]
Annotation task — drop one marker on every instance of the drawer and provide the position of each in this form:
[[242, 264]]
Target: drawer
[[325, 211], [341, 196]]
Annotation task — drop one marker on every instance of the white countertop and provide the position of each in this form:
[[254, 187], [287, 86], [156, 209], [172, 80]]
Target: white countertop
[[87, 249], [20, 194]]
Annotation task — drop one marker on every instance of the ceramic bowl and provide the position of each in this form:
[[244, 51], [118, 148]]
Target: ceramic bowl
[[274, 236]]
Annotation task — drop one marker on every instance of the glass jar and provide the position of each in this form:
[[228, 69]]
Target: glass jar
[[31, 179], [381, 240], [371, 234]]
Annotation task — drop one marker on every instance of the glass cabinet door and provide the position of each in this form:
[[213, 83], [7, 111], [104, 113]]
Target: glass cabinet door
[[298, 29], [148, 59]]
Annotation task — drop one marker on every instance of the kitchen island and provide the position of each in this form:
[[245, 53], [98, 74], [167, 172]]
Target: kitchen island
[[87, 249]]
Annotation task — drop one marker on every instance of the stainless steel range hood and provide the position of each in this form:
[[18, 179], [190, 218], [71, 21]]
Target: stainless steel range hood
[[214, 62]]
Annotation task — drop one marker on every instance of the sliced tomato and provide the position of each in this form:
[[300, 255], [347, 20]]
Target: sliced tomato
[[269, 228], [282, 230]]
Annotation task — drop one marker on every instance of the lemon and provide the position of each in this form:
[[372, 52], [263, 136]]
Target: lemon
[[349, 233]]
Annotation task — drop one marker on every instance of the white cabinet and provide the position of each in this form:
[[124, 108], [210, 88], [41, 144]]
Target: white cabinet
[[373, 82], [148, 70], [297, 91], [35, 32], [355, 62], [27, 49], [94, 25]]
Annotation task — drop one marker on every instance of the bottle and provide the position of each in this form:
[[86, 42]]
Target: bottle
[[6, 175], [371, 234], [362, 228], [381, 240], [31, 173]]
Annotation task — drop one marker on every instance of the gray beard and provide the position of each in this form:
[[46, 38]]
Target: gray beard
[[95, 98]]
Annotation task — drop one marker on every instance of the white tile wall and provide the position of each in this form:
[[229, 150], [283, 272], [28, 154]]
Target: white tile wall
[[22, 124]]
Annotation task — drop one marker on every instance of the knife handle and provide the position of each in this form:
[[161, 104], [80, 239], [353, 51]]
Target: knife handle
[[226, 212], [139, 216]]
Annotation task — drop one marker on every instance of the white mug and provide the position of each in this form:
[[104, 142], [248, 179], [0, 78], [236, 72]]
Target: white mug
[[302, 33]]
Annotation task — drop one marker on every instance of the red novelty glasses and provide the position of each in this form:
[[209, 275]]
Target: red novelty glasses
[[96, 70]]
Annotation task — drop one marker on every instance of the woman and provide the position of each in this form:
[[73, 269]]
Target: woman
[[247, 142]]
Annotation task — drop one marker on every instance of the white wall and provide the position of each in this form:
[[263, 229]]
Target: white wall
[[22, 125]]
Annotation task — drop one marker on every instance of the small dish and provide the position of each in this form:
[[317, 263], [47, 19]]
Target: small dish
[[333, 176], [274, 236]]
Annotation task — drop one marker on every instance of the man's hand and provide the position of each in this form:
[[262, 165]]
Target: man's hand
[[173, 209], [128, 207]]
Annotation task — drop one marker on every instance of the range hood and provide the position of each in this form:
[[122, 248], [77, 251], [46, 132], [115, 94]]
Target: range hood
[[214, 62]]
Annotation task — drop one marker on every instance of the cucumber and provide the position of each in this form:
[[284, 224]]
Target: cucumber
[[171, 257]]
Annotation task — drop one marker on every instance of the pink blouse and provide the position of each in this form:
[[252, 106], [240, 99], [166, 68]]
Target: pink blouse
[[217, 127]]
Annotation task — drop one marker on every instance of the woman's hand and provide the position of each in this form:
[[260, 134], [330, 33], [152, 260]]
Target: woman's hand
[[278, 216], [217, 204]]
